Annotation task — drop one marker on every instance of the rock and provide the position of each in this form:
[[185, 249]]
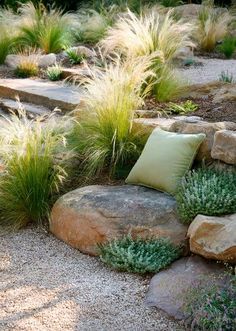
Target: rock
[[76, 74], [224, 146], [170, 289], [184, 53], [163, 123], [47, 60], [203, 127], [94, 214], [188, 11], [82, 50], [214, 237], [43, 61]]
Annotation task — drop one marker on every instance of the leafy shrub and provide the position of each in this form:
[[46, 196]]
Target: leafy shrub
[[54, 72], [27, 67], [208, 192], [31, 153], [105, 136], [151, 34], [139, 255], [74, 57], [214, 309], [182, 108], [228, 47], [226, 77], [49, 30], [212, 26]]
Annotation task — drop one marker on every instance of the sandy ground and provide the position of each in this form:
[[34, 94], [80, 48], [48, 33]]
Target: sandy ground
[[46, 285], [209, 71]]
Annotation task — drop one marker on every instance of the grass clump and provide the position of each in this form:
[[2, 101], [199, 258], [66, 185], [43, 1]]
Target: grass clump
[[212, 26], [54, 72], [206, 191], [50, 30], [34, 169], [27, 67], [228, 47], [183, 108], [214, 309], [151, 34], [106, 137], [74, 57], [226, 77], [139, 255]]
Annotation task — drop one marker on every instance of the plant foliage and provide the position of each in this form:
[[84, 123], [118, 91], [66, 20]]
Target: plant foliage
[[228, 47], [206, 191], [139, 255], [226, 77], [182, 108], [54, 72]]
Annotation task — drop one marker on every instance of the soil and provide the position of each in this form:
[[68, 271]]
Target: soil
[[208, 110]]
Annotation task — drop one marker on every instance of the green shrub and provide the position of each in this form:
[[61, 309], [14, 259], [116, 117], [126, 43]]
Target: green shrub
[[74, 57], [54, 72], [214, 309], [106, 137], [139, 255], [228, 47], [206, 191], [34, 169]]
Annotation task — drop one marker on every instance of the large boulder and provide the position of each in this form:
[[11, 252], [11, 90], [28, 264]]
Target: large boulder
[[91, 215], [224, 146], [203, 127], [214, 237], [170, 289]]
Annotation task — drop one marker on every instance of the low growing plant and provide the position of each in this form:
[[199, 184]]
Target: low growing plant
[[54, 72], [206, 191], [34, 169], [27, 67], [214, 308], [182, 108], [139, 255], [74, 57], [226, 77]]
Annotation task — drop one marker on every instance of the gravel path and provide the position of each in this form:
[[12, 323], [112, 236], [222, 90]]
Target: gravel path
[[46, 285], [209, 71]]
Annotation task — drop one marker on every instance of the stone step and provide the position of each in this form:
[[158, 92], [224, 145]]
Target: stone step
[[8, 105], [75, 73], [38, 92]]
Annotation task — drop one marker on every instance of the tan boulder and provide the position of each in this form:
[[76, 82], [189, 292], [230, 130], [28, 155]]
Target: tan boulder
[[203, 127], [224, 146], [95, 214], [214, 237]]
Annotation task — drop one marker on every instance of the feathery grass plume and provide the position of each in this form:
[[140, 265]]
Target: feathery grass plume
[[211, 26], [139, 255], [28, 64], [49, 30], [105, 136], [151, 34], [34, 157]]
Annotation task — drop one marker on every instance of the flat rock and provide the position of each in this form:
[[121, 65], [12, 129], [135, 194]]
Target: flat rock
[[75, 73], [224, 146], [163, 123], [169, 289], [214, 237], [11, 105], [91, 215], [203, 127], [47, 94]]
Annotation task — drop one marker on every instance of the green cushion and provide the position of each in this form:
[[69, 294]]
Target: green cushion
[[165, 159]]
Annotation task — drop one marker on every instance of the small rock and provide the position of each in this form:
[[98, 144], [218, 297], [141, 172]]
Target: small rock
[[82, 50], [47, 60], [224, 146], [170, 289], [95, 214], [214, 237]]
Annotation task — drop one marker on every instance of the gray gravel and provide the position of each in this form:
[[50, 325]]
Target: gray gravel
[[46, 285], [209, 71]]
